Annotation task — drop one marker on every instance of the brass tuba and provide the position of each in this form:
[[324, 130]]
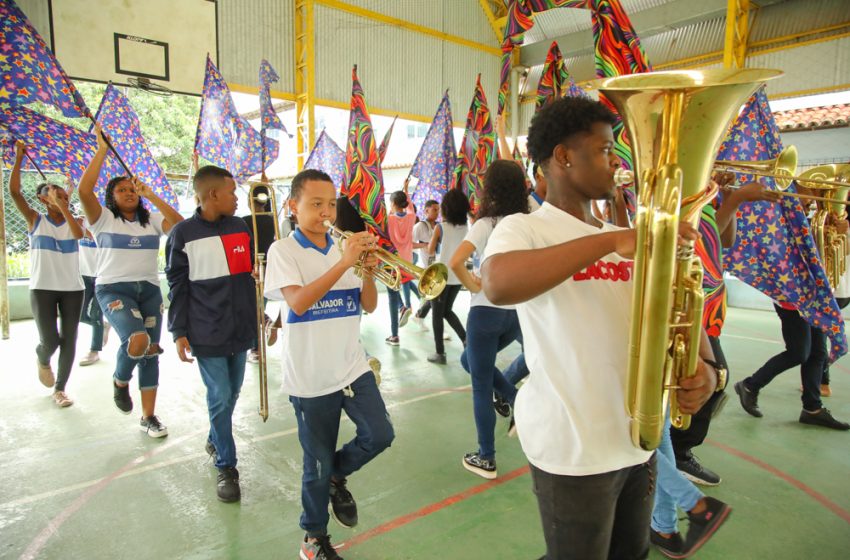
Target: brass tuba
[[676, 121], [831, 208], [260, 267]]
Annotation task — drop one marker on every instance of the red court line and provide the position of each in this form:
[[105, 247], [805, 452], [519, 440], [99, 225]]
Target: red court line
[[432, 508], [817, 496]]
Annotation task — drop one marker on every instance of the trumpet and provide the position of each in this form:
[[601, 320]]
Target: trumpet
[[260, 265], [431, 281], [623, 177]]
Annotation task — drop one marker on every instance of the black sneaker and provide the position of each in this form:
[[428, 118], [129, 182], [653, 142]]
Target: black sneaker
[[228, 485], [671, 547], [437, 358], [703, 525], [476, 464], [121, 396], [343, 506], [749, 399], [696, 473], [823, 418], [503, 407], [153, 427], [320, 549], [210, 449]]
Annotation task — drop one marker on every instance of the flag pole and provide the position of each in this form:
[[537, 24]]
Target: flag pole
[[4, 272]]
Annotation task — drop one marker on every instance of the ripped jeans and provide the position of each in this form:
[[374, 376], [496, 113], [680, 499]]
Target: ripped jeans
[[134, 309]]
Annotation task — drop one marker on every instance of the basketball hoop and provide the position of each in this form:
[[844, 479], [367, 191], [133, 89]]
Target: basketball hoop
[[145, 84]]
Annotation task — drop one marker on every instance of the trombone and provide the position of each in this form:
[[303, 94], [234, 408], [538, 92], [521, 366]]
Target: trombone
[[268, 199], [431, 281]]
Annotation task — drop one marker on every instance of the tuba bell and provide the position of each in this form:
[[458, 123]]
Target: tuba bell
[[676, 122]]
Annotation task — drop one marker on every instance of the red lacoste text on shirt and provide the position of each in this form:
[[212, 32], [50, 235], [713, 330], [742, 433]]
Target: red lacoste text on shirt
[[601, 270], [238, 251]]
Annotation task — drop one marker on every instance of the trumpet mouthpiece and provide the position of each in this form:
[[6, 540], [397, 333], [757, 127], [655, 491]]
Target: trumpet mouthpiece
[[623, 176]]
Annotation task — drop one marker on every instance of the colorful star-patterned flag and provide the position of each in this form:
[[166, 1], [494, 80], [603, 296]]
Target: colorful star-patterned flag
[[55, 146], [436, 161], [364, 184], [555, 81], [478, 148], [385, 143], [225, 138], [774, 251], [327, 156], [270, 124], [28, 70], [120, 122]]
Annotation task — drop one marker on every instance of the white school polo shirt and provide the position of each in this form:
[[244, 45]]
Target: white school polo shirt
[[126, 251], [571, 414], [321, 351], [54, 257]]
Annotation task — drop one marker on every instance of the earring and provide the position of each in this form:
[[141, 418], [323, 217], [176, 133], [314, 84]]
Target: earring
[[568, 164]]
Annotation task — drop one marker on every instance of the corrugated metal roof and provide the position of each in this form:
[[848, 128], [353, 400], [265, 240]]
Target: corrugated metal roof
[[251, 31], [464, 18], [815, 66], [685, 42], [796, 17], [397, 76]]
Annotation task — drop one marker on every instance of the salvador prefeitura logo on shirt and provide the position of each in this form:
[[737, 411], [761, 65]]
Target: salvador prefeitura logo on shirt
[[334, 305], [602, 270]]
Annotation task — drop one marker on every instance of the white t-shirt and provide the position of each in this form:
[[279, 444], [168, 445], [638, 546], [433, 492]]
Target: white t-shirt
[[422, 233], [321, 351], [54, 258], [571, 415], [451, 238], [88, 257], [478, 236], [126, 251]]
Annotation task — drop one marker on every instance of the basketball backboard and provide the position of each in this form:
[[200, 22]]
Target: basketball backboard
[[166, 41]]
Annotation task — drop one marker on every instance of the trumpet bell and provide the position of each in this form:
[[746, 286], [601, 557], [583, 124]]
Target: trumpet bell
[[433, 281]]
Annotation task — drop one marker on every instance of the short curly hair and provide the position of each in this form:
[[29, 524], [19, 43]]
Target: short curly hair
[[504, 190], [561, 119]]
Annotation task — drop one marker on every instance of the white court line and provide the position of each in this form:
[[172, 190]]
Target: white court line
[[177, 460], [769, 341]]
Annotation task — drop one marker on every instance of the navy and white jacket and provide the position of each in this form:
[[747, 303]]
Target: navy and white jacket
[[212, 292]]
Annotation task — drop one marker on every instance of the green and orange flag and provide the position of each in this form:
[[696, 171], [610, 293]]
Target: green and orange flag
[[555, 81], [364, 183]]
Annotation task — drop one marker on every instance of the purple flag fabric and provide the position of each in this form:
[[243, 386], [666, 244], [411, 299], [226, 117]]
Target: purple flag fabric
[[269, 120], [225, 138], [327, 156], [435, 164], [120, 122], [28, 70], [774, 251], [56, 147]]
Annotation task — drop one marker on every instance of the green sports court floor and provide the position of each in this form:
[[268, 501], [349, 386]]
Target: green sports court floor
[[85, 483]]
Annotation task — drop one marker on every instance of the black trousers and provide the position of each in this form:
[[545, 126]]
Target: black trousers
[[442, 307], [47, 306], [685, 440], [596, 517], [805, 346]]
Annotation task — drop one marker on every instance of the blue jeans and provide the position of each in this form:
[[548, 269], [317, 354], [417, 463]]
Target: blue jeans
[[92, 315], [517, 371], [223, 377], [488, 331], [318, 427], [672, 490], [134, 308]]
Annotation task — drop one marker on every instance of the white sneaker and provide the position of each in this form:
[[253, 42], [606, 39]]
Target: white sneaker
[[420, 322], [61, 399], [153, 427], [447, 337], [253, 357], [90, 358], [375, 366]]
